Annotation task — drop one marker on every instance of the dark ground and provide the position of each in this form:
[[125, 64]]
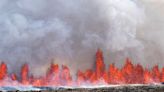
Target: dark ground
[[123, 88]]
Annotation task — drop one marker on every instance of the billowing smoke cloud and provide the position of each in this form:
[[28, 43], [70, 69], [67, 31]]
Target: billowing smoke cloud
[[70, 31]]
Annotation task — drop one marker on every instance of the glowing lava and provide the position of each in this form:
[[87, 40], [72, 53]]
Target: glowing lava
[[129, 74]]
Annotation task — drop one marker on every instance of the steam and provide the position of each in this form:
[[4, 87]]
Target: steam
[[38, 32]]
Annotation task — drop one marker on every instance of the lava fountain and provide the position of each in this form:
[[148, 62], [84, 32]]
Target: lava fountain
[[60, 76]]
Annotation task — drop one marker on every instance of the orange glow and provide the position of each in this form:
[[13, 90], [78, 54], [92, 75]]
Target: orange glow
[[65, 76], [80, 78], [115, 75], [13, 77], [162, 75], [148, 77], [3, 70], [24, 74], [56, 76], [156, 74], [138, 74], [100, 67]]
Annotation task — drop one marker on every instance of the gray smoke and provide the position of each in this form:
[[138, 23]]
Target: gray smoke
[[69, 32]]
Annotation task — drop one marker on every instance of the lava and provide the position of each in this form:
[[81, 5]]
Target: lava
[[56, 76], [24, 74], [3, 70]]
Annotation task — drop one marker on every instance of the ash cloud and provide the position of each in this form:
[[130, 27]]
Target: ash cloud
[[39, 32]]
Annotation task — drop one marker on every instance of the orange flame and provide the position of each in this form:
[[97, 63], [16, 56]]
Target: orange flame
[[156, 74], [138, 74], [3, 71], [162, 75], [24, 74], [100, 67], [13, 77], [65, 76], [129, 74], [115, 75]]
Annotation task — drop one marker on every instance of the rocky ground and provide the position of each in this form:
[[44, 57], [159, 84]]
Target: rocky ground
[[111, 88]]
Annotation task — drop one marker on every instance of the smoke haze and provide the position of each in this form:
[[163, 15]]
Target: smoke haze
[[39, 32]]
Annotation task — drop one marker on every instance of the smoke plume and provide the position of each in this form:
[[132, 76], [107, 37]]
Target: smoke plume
[[69, 32]]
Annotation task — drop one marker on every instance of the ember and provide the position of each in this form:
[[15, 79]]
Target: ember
[[129, 74]]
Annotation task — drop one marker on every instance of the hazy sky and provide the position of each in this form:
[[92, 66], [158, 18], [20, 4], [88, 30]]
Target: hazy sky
[[69, 32]]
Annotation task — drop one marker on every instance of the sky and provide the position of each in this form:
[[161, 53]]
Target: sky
[[39, 32]]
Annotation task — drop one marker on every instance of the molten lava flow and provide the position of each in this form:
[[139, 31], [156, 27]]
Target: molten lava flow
[[128, 72], [162, 75], [138, 74], [100, 67], [65, 76], [3, 70], [56, 76], [156, 74], [80, 78], [53, 75], [115, 75], [13, 77], [24, 74]]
